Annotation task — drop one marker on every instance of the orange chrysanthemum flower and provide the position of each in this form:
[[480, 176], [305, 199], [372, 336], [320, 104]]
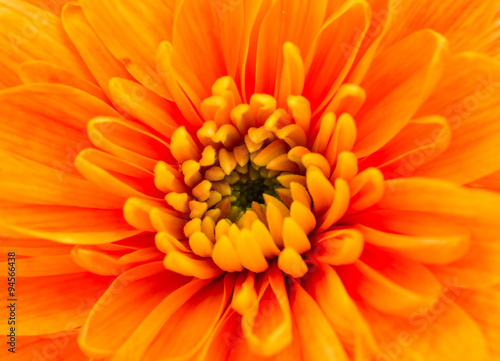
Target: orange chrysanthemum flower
[[250, 180]]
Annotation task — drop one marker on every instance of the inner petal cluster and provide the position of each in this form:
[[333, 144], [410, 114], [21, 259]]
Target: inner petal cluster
[[257, 183]]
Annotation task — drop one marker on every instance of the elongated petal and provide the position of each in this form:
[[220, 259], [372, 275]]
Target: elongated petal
[[334, 51], [178, 338], [102, 64], [30, 33], [391, 100], [23, 180], [462, 22], [471, 83], [33, 121], [37, 71], [124, 305], [317, 337], [69, 225], [64, 344], [132, 32], [62, 303], [440, 331], [484, 307], [470, 209], [138, 343]]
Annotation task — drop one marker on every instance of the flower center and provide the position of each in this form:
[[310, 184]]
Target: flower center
[[250, 186], [258, 182]]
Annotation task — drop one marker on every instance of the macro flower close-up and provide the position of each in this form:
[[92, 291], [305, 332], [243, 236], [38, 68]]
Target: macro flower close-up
[[250, 180]]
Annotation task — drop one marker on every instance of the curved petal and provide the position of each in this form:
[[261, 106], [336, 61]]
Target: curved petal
[[47, 122], [45, 266], [129, 141], [440, 331], [37, 71], [484, 307], [469, 98], [318, 340], [462, 22], [34, 247], [56, 347], [138, 343], [69, 225], [124, 305], [115, 175], [393, 286], [53, 6], [132, 31], [392, 97], [195, 38], [431, 249], [418, 143], [102, 64], [329, 292], [334, 51], [472, 210], [53, 304], [26, 181], [270, 333], [145, 105], [178, 339], [30, 33]]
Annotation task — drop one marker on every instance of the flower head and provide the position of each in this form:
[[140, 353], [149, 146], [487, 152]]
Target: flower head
[[222, 180]]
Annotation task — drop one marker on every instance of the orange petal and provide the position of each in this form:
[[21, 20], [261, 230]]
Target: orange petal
[[63, 344], [26, 181], [483, 306], [53, 6], [131, 31], [61, 304], [36, 71], [461, 22], [191, 265], [138, 344], [128, 141], [181, 83], [244, 292], [471, 106], [269, 335], [145, 105], [268, 49], [30, 33], [460, 338], [334, 50], [474, 210], [23, 109], [318, 339], [397, 287], [97, 261], [45, 266], [69, 225], [348, 99], [338, 247], [194, 37], [136, 212], [390, 104], [418, 143], [124, 305], [178, 339], [114, 175], [34, 247], [432, 249], [183, 146], [293, 74], [102, 64], [328, 290]]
